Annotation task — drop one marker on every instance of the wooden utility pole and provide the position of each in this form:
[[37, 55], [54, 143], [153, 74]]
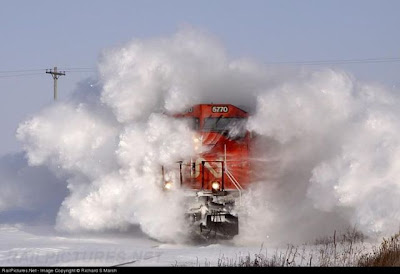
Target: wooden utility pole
[[56, 74]]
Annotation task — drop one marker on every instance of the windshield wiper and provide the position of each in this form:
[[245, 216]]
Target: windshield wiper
[[216, 122]]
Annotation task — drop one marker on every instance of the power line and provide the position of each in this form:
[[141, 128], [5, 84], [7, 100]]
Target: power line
[[83, 69], [36, 72], [79, 71], [19, 75], [32, 72], [88, 68], [18, 71], [338, 61]]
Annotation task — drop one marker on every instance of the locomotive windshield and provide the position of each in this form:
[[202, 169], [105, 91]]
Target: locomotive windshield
[[233, 127], [192, 122]]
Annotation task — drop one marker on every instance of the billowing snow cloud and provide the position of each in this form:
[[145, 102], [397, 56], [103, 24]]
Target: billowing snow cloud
[[28, 194]]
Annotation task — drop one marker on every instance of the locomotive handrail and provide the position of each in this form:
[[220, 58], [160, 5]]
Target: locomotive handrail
[[232, 178], [236, 184]]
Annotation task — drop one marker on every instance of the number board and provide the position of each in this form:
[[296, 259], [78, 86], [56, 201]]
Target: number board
[[220, 109]]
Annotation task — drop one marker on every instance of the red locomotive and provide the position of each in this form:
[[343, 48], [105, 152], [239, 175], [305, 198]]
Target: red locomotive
[[216, 177]]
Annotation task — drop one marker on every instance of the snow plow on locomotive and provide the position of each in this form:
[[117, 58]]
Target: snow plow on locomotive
[[215, 178]]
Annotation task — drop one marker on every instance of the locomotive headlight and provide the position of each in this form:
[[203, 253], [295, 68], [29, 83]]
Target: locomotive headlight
[[215, 185], [197, 142], [168, 185]]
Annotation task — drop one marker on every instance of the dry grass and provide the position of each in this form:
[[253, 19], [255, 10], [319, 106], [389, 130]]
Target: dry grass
[[278, 259], [388, 254], [346, 250]]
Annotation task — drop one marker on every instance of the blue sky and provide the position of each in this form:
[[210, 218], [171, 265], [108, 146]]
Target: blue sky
[[71, 34]]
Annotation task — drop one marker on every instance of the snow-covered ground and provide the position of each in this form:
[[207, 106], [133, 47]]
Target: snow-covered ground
[[23, 245], [42, 246]]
